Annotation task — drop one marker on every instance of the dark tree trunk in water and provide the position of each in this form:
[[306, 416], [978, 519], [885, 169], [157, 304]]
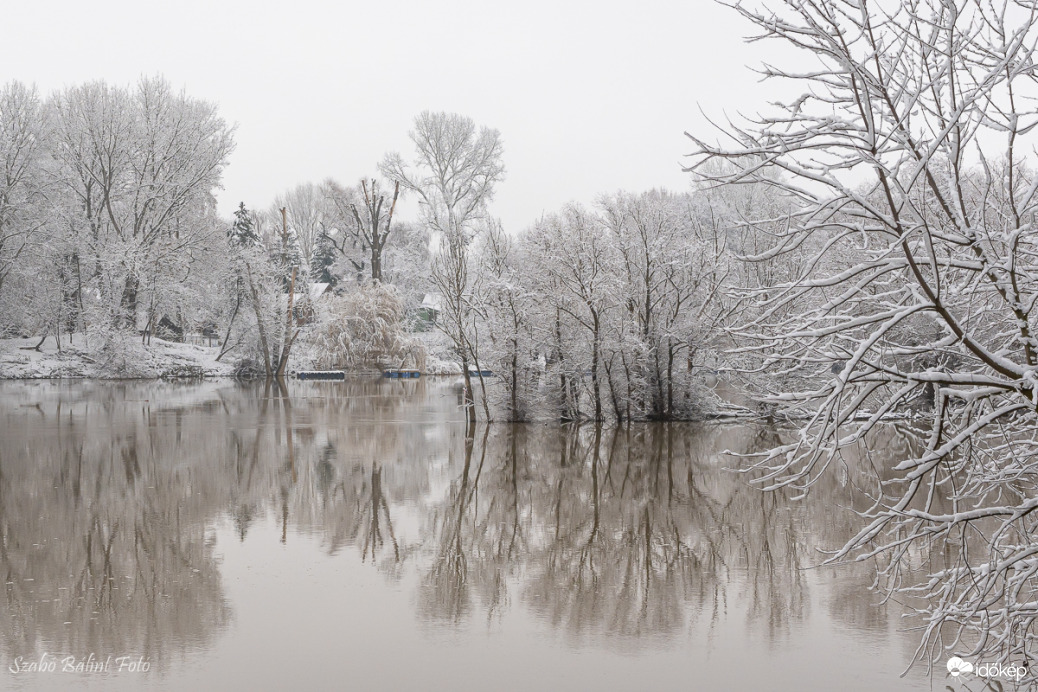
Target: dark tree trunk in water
[[287, 341], [594, 367], [470, 400]]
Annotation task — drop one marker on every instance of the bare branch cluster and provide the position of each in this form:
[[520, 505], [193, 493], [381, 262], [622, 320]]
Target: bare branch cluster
[[907, 154]]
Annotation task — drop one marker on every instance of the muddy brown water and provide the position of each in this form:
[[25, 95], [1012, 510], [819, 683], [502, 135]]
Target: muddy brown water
[[333, 536]]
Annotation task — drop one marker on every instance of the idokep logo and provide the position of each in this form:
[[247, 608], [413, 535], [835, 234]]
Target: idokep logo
[[957, 667]]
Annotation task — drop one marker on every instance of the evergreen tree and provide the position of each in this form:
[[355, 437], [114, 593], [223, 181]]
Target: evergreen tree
[[290, 255], [324, 257], [243, 231]]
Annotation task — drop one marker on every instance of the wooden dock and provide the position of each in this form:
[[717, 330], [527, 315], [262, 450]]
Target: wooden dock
[[321, 375], [397, 373]]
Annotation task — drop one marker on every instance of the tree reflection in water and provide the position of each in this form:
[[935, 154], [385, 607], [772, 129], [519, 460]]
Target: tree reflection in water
[[632, 531], [103, 541], [109, 495], [611, 542]]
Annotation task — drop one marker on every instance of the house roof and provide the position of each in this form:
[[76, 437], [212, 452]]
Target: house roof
[[317, 290], [432, 301]]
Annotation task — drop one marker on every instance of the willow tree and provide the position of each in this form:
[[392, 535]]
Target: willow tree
[[908, 150]]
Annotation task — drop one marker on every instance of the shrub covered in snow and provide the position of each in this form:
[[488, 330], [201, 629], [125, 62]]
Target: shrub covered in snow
[[365, 329]]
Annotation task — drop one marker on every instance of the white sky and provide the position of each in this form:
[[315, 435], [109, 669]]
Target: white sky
[[590, 97]]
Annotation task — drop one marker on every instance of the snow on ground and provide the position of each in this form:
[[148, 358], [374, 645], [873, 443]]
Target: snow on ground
[[125, 358], [128, 358]]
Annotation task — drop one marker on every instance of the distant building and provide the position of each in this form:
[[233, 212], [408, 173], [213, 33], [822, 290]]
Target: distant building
[[431, 306], [317, 290]]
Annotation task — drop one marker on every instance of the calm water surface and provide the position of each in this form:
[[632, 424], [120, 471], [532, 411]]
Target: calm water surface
[[351, 536]]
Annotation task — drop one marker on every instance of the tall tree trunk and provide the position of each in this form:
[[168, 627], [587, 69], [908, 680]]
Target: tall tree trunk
[[594, 366], [71, 287], [564, 412], [670, 379], [287, 341], [227, 337], [617, 410], [376, 262], [658, 400], [515, 378], [469, 399], [257, 308], [630, 388]]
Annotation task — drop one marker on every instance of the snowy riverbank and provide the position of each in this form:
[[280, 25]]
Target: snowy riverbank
[[128, 358], [125, 359]]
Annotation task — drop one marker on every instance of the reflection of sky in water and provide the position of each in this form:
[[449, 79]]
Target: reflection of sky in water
[[349, 535]]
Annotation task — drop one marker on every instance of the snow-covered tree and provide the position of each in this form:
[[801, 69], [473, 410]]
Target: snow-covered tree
[[243, 246], [141, 166], [907, 153], [365, 329], [23, 141], [506, 302], [621, 306], [578, 273], [242, 232], [455, 170], [305, 211], [366, 218], [407, 261], [674, 264]]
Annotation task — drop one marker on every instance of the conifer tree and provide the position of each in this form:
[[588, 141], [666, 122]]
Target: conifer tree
[[243, 231]]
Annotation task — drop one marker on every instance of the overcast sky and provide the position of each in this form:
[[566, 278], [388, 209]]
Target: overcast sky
[[589, 97]]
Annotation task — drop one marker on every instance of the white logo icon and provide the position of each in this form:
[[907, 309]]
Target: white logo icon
[[957, 666]]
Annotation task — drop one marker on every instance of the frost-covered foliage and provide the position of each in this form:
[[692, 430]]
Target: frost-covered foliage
[[913, 292], [242, 232], [364, 219], [504, 338], [306, 214], [263, 298], [610, 313], [107, 213], [346, 236], [365, 329], [24, 131], [454, 173]]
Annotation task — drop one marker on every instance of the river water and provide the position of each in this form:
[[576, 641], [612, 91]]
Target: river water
[[329, 536]]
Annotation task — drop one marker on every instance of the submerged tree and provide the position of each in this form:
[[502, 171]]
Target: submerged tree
[[919, 294], [605, 313], [455, 170]]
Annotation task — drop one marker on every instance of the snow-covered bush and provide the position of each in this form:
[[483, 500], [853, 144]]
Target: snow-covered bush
[[120, 355], [365, 329]]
